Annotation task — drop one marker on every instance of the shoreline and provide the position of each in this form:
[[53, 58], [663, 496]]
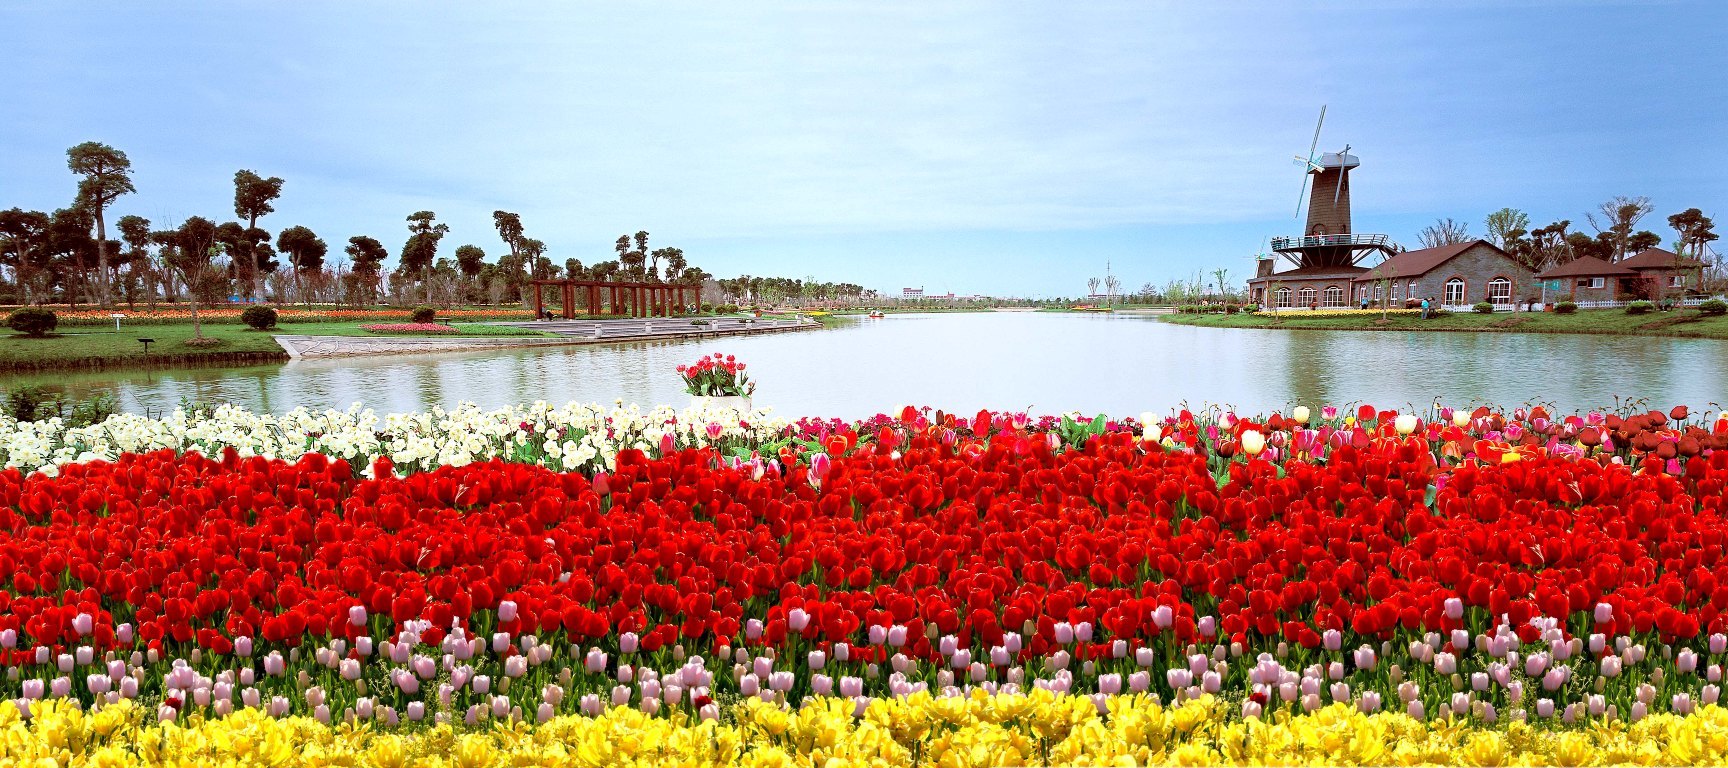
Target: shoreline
[[1680, 324], [238, 346]]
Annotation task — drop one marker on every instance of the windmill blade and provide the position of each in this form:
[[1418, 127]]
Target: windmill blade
[[1310, 169], [1343, 174], [1316, 141]]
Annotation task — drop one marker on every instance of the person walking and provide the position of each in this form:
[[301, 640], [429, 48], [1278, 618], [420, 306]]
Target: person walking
[[1425, 309]]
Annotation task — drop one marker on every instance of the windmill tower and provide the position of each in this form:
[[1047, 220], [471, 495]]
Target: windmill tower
[[1327, 240]]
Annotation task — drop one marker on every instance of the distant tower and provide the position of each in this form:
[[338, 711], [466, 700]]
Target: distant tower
[[1327, 240]]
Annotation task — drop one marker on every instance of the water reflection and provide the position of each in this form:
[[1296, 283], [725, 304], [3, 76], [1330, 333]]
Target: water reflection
[[1048, 362]]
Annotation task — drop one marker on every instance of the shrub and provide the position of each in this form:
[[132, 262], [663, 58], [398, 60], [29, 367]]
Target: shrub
[[1231, 309], [1713, 307], [32, 404], [33, 321], [423, 314], [95, 410], [259, 318], [1565, 307], [1483, 308], [1640, 308]]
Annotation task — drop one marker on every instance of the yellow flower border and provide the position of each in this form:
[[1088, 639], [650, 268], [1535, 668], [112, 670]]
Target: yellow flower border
[[1297, 313], [1006, 729]]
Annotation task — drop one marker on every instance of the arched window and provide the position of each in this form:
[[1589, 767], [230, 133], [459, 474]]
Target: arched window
[[1500, 291], [1282, 295], [1395, 297], [1454, 292], [1307, 296], [1334, 296], [1412, 293], [1379, 293]]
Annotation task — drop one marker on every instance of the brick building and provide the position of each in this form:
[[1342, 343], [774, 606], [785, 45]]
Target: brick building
[[1326, 287], [1649, 274], [1587, 279], [1455, 276]]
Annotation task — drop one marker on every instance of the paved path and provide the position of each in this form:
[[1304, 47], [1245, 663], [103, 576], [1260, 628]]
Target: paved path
[[662, 327], [569, 331]]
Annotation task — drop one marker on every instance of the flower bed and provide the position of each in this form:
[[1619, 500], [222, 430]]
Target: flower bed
[[914, 585], [408, 328], [231, 314], [1305, 312]]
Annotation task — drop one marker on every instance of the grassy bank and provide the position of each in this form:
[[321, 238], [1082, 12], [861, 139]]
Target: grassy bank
[[1615, 322], [234, 344]]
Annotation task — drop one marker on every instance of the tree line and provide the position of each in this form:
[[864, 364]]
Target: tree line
[[746, 289], [1614, 222], [67, 256]]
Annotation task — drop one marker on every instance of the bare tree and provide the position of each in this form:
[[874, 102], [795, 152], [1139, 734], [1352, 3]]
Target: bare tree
[[1444, 232], [1112, 284], [1505, 226], [1616, 218], [1222, 275]]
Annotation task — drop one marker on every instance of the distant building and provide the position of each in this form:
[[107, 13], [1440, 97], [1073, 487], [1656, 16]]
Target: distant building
[[911, 293]]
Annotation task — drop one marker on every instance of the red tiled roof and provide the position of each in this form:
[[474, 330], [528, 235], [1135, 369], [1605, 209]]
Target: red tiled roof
[[1312, 273], [1656, 258], [1587, 266], [1419, 262]]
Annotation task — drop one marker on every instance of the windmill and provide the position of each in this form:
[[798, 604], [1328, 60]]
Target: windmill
[[1326, 240], [1262, 259]]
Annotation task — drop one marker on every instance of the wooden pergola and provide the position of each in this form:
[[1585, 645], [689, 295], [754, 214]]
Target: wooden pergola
[[603, 297]]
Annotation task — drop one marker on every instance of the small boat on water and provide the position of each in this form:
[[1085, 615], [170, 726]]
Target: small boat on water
[[876, 314]]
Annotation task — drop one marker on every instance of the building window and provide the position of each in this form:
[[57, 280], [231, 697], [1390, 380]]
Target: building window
[[1676, 281], [1307, 296], [1499, 291], [1283, 296], [1334, 296], [1592, 282], [1379, 293], [1395, 288], [1412, 293], [1454, 292]]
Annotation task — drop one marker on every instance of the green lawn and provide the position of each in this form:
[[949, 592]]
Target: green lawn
[[1684, 323], [90, 347]]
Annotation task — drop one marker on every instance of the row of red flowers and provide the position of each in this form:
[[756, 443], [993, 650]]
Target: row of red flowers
[[917, 529]]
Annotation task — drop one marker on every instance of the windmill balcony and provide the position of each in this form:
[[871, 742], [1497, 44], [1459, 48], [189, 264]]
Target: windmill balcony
[[1291, 243]]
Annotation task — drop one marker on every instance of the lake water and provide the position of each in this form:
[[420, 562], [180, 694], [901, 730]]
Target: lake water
[[1119, 364]]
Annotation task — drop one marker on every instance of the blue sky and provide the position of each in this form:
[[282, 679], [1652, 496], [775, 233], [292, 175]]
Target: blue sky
[[1005, 148]]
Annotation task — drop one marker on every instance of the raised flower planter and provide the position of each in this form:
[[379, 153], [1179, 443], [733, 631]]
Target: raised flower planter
[[740, 403], [718, 382]]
